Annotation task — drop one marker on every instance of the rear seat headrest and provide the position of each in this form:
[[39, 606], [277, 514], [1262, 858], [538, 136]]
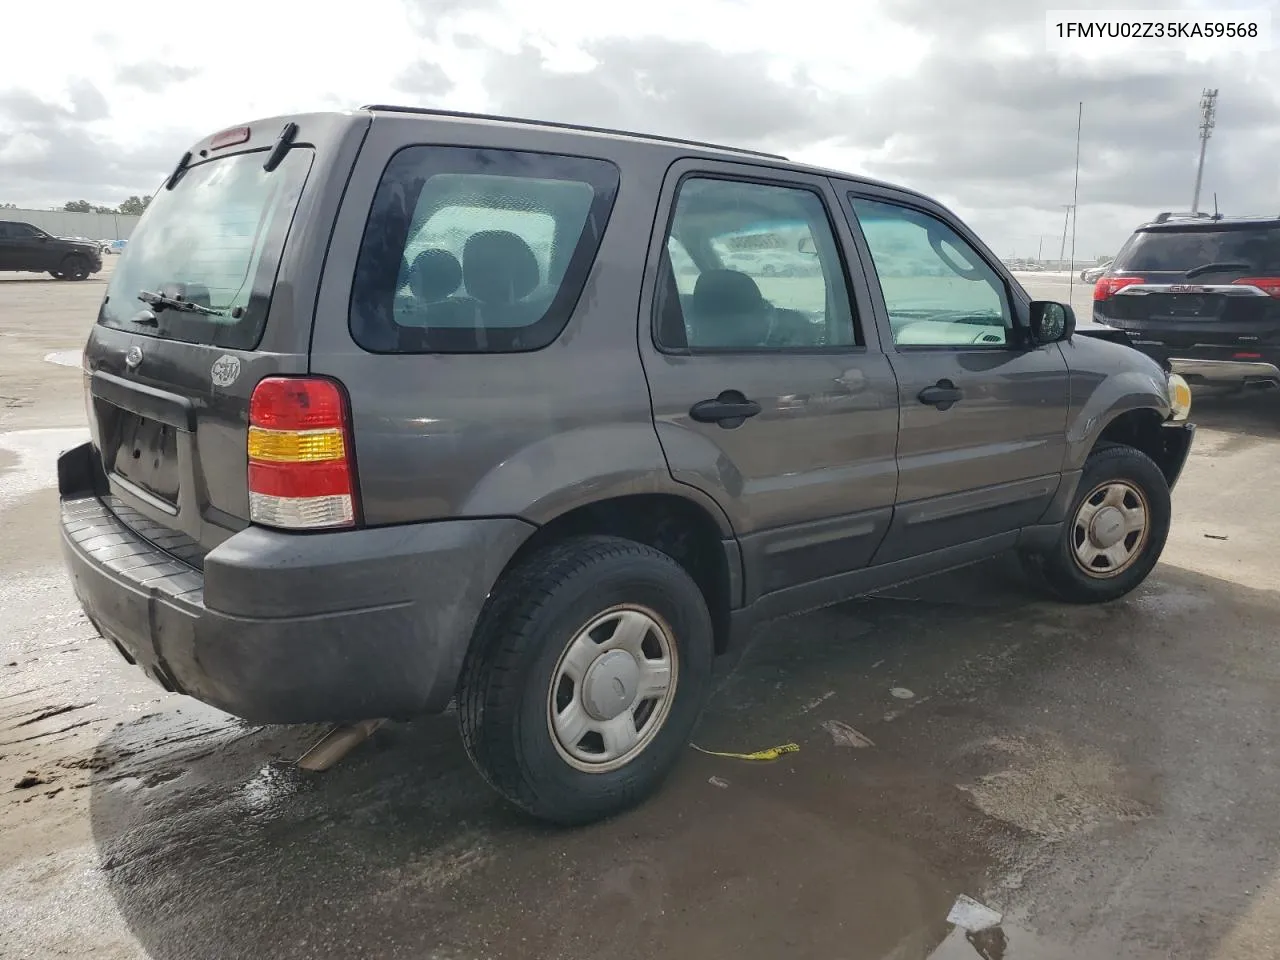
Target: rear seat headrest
[[498, 267], [726, 293], [435, 274]]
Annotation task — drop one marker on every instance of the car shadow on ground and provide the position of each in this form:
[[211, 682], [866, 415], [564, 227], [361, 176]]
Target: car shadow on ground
[[1251, 414], [957, 736]]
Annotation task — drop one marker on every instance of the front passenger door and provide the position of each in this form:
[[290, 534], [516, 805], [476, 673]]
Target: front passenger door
[[982, 429]]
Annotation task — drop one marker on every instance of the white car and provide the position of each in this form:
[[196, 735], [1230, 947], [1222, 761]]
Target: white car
[[1091, 274]]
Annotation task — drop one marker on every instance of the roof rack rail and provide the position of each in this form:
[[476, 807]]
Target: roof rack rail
[[1169, 215], [462, 115]]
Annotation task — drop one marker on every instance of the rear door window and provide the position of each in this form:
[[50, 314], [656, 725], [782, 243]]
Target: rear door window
[[213, 241], [470, 250], [1241, 250]]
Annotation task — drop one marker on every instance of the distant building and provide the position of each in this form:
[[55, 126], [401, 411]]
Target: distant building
[[60, 223]]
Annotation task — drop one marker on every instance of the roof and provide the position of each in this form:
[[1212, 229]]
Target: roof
[[1178, 221], [772, 159]]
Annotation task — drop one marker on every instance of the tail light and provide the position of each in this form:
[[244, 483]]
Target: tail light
[[301, 468], [1108, 287], [1268, 285]]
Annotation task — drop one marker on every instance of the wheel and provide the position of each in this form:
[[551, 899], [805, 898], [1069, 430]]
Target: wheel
[[1115, 530], [587, 672], [74, 267], [56, 274]]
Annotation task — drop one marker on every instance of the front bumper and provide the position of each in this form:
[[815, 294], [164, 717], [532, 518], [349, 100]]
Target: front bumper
[[1176, 439], [290, 628]]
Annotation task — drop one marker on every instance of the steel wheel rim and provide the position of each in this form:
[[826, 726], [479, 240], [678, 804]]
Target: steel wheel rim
[[623, 659], [1110, 529]]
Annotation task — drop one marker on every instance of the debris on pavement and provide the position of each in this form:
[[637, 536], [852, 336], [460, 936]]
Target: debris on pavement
[[902, 693], [29, 781], [1215, 536], [844, 735], [718, 782], [771, 753], [817, 701], [973, 917]]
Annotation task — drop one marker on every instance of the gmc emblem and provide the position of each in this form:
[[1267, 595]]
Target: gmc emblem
[[1185, 288]]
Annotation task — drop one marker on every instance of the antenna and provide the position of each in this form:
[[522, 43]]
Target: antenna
[[1208, 112], [1075, 204]]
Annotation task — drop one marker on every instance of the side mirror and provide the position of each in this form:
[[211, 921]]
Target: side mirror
[[1051, 322]]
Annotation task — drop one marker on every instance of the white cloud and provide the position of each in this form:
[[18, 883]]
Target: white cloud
[[959, 99]]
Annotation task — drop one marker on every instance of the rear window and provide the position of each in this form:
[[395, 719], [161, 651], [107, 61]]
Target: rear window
[[469, 250], [214, 240], [1251, 249]]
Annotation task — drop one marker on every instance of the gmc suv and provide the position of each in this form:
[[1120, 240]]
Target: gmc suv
[[1202, 294], [398, 406], [27, 248]]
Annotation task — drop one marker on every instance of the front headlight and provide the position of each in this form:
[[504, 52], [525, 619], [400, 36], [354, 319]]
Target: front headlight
[[1179, 398]]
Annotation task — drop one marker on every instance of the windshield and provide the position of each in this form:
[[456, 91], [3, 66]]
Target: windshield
[[214, 241], [1179, 251]]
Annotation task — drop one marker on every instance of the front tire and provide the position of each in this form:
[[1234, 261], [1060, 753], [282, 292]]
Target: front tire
[[588, 670], [1115, 531], [74, 267]]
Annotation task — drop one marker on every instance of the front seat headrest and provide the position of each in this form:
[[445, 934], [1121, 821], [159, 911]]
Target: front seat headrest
[[434, 275], [498, 267]]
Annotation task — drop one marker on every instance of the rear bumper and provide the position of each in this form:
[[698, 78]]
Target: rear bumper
[[1226, 371], [291, 628]]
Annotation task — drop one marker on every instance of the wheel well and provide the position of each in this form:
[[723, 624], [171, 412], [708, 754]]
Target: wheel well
[[1142, 430], [678, 527]]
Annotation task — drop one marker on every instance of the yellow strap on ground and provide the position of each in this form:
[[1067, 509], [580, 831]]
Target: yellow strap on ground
[[773, 753]]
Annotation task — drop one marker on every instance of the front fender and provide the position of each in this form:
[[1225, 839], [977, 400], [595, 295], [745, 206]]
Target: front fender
[[1097, 400]]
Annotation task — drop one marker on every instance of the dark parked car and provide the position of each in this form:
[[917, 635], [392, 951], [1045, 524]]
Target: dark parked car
[[27, 248], [397, 406], [1201, 294]]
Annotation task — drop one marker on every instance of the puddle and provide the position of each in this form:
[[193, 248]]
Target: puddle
[[37, 460], [64, 358]]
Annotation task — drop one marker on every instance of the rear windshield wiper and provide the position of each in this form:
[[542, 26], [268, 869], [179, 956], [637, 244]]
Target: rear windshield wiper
[[1214, 267], [162, 302]]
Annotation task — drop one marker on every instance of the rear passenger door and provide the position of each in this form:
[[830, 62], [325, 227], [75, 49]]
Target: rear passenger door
[[770, 391], [982, 436]]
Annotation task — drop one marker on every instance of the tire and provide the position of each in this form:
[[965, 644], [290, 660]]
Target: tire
[[534, 618], [1124, 479], [74, 267], [56, 274]]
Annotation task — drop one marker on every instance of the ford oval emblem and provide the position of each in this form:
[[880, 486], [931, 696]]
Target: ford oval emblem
[[133, 358]]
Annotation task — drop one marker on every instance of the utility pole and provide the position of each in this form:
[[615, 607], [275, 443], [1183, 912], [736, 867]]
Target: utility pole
[[1066, 220], [1040, 249], [1208, 108]]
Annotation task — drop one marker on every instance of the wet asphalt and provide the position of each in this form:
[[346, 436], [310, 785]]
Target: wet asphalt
[[1104, 777]]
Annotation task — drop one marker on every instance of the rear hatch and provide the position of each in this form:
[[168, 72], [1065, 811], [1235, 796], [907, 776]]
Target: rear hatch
[[215, 292], [1204, 289]]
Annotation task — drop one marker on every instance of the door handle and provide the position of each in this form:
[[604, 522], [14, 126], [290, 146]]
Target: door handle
[[942, 395], [729, 410]]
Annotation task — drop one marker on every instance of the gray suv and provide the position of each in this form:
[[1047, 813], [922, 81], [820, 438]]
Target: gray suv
[[395, 407]]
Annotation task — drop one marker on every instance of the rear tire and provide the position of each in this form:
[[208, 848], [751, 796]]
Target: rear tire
[[1115, 531], [538, 685]]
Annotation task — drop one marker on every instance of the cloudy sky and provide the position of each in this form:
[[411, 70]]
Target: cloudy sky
[[964, 100]]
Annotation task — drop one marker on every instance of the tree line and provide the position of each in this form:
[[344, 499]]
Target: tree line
[[132, 207]]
